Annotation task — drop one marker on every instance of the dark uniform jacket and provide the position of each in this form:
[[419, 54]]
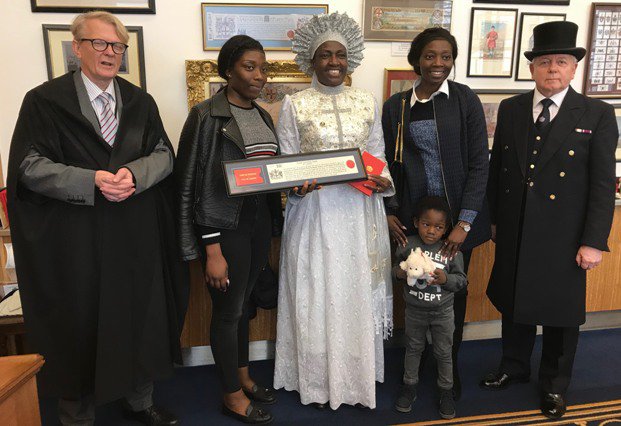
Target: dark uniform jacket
[[568, 202]]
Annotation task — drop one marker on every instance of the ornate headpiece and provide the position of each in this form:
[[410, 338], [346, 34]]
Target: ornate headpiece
[[322, 28]]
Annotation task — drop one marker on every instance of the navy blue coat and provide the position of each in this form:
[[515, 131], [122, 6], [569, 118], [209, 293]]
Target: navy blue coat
[[464, 151], [569, 204]]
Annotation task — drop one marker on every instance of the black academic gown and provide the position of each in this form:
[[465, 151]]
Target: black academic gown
[[102, 290], [568, 202]]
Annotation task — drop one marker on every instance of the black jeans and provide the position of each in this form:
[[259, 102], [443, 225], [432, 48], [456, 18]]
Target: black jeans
[[459, 310], [246, 252]]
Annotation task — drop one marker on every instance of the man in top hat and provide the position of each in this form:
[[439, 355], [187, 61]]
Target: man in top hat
[[551, 198]]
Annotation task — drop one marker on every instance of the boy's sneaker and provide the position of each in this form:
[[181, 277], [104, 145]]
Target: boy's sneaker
[[447, 405], [407, 396]]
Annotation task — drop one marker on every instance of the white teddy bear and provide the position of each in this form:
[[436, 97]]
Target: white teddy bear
[[418, 266]]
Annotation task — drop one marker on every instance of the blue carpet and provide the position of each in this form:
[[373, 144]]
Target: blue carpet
[[194, 395]]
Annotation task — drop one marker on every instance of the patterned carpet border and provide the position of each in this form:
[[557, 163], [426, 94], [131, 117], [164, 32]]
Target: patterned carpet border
[[599, 413]]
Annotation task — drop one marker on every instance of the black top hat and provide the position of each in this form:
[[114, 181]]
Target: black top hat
[[555, 38]]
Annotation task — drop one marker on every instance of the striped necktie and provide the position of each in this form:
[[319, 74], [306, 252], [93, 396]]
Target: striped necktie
[[107, 119]]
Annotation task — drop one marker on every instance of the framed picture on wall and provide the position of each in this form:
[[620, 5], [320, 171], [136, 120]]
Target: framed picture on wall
[[398, 80], [72, 6], [603, 69], [271, 24], [492, 36], [60, 58], [512, 2], [490, 99], [284, 78], [528, 21], [402, 20]]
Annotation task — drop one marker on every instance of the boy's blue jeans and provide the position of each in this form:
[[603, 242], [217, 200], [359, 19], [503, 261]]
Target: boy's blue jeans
[[441, 324]]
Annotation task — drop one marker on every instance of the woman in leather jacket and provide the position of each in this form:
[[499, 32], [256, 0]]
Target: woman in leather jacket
[[230, 235]]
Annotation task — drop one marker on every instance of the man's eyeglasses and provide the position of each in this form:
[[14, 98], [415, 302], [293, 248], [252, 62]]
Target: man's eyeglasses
[[101, 45]]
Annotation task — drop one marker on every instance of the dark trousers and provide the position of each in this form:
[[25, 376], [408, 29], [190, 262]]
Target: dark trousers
[[459, 310], [557, 356], [246, 252]]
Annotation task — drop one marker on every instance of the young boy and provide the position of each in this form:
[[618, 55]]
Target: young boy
[[429, 305]]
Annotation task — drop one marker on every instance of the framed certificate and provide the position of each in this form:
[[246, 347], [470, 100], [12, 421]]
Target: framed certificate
[[271, 174], [271, 24]]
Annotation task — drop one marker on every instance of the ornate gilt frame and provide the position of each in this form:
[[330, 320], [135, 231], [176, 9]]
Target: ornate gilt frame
[[199, 73]]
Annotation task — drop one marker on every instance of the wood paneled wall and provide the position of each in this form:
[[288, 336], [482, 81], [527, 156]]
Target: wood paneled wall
[[603, 292]]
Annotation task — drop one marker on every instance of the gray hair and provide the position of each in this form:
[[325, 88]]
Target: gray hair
[[77, 26]]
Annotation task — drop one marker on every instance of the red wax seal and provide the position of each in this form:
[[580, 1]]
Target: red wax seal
[[290, 34], [350, 164]]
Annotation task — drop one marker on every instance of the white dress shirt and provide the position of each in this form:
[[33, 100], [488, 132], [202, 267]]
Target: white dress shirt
[[557, 100]]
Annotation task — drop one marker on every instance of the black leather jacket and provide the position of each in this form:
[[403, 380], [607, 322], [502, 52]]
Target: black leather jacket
[[210, 135]]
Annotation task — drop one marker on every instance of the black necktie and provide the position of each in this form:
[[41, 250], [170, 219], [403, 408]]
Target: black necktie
[[544, 118]]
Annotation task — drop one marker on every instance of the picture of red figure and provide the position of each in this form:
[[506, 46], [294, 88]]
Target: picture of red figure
[[490, 40]]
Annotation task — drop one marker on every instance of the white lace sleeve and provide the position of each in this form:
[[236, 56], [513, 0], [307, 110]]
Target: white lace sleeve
[[375, 146]]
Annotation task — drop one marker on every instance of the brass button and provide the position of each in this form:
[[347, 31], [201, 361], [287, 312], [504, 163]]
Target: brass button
[[552, 197], [506, 191], [504, 169], [535, 152], [532, 166], [531, 184], [223, 129], [562, 174], [538, 138], [571, 152], [506, 147]]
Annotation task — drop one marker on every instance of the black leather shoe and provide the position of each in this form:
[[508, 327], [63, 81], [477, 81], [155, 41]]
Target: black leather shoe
[[153, 416], [499, 381], [254, 415], [553, 405], [321, 405], [261, 394]]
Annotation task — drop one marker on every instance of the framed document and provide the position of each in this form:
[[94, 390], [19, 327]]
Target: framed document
[[603, 67], [114, 6], [492, 35], [270, 174], [271, 24], [490, 99], [402, 20], [528, 21], [60, 58], [398, 80]]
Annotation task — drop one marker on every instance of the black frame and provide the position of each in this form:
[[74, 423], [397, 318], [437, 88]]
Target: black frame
[[520, 57], [473, 10], [228, 168], [150, 9], [130, 29]]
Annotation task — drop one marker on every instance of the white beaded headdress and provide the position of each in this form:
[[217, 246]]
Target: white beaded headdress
[[322, 28]]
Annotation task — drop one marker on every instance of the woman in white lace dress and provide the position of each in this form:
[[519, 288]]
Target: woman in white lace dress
[[335, 301]]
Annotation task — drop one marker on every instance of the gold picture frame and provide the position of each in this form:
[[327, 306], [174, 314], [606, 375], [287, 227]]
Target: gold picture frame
[[284, 78]]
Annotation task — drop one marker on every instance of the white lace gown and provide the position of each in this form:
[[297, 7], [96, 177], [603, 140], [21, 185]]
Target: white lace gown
[[335, 300]]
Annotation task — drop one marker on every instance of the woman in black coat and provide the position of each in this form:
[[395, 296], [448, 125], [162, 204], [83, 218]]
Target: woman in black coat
[[437, 132], [230, 235]]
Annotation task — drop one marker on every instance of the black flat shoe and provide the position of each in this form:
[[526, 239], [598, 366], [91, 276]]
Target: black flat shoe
[[553, 405], [261, 394], [254, 415], [499, 381], [152, 416], [320, 405]]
